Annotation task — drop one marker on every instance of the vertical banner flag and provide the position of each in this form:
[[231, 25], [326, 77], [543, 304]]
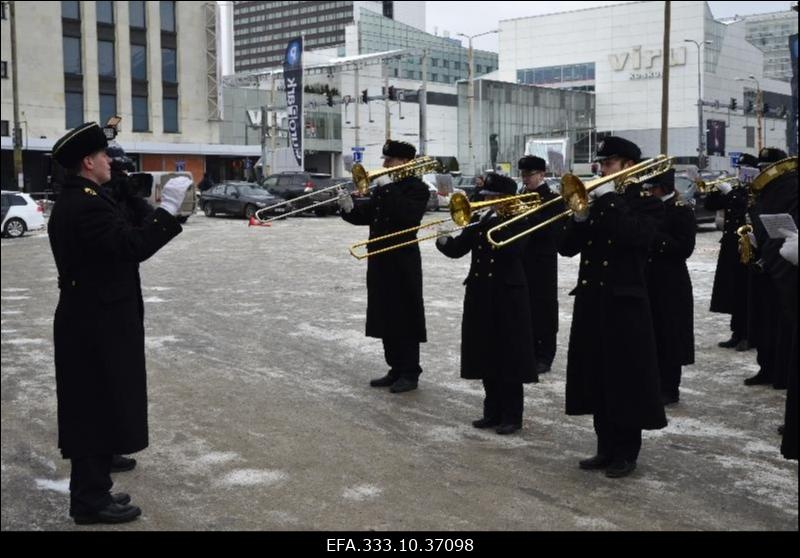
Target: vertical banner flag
[[293, 84], [791, 125]]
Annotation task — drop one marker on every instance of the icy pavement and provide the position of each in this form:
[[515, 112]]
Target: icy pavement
[[261, 416]]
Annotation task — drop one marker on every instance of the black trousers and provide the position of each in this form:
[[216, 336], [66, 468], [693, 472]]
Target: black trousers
[[402, 356], [670, 378], [503, 401], [90, 484], [616, 441], [545, 347]]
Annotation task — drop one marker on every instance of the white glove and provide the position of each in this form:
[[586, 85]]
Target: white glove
[[601, 191], [789, 249], [173, 193], [444, 230], [725, 188], [345, 202]]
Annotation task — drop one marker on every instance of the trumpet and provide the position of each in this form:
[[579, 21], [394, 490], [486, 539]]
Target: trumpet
[[713, 185], [461, 212], [576, 195]]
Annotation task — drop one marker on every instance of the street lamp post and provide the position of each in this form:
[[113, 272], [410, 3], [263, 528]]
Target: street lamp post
[[471, 92], [701, 159], [759, 109]]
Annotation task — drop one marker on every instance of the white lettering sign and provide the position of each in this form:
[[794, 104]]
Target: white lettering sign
[[640, 58]]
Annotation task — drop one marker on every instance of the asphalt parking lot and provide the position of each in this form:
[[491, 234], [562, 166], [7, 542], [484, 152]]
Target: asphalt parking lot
[[261, 416]]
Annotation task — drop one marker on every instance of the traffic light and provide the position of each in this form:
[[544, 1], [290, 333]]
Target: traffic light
[[329, 96], [392, 93], [364, 96], [749, 106], [733, 103], [765, 109]]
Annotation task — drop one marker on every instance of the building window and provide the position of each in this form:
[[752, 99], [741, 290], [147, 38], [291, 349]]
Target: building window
[[108, 107], [70, 10], [750, 136], [140, 116], [136, 14], [72, 55], [169, 71], [4, 69], [139, 62], [167, 16], [4, 123], [74, 109], [2, 10], [105, 59], [170, 115], [105, 12]]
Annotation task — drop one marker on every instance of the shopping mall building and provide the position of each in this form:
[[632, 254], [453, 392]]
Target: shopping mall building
[[616, 52]]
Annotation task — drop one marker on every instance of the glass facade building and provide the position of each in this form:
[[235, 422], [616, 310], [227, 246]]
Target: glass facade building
[[770, 33]]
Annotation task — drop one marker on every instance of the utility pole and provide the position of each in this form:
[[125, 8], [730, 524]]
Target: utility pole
[[759, 113], [388, 114], [665, 80], [423, 106], [358, 100], [471, 94], [701, 155], [18, 171]]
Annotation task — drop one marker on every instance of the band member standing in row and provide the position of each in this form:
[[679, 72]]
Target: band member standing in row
[[541, 266], [395, 309], [788, 252], [612, 369], [496, 333], [669, 285], [769, 324], [97, 331], [729, 295]]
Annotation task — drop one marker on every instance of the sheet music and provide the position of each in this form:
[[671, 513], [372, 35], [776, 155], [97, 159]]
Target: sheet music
[[778, 225]]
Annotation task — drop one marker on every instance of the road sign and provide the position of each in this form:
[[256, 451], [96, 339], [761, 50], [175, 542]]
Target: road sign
[[180, 166], [358, 154]]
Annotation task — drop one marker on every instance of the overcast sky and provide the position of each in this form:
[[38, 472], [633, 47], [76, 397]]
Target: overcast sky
[[472, 18]]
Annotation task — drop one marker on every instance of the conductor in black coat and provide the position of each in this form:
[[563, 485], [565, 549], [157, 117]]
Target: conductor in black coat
[[612, 369], [669, 284], [496, 332], [395, 309], [541, 265], [730, 292], [98, 331]]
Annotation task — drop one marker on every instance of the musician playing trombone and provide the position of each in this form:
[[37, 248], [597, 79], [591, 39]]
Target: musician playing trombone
[[541, 265], [612, 371], [496, 331], [395, 309]]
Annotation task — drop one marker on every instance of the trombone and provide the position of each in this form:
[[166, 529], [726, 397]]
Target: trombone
[[361, 179], [713, 185], [576, 195], [461, 212]]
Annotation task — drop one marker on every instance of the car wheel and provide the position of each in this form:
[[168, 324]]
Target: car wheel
[[249, 211], [182, 219], [208, 210], [15, 228]]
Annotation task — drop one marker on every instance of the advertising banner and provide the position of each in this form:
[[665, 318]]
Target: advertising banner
[[293, 85]]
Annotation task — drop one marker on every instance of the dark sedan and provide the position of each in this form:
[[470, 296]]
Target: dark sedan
[[239, 198]]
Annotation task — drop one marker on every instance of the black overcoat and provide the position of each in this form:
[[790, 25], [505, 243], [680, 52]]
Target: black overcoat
[[729, 294], [394, 279], [98, 328], [669, 284], [611, 362], [496, 331], [540, 261]]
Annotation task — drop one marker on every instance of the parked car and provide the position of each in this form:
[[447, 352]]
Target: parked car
[[20, 213], [290, 185], [687, 188], [239, 198], [433, 198]]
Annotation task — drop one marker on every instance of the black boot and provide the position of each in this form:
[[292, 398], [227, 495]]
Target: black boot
[[120, 463], [385, 381], [729, 344], [596, 462]]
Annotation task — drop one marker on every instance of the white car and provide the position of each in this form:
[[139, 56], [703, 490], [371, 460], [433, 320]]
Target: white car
[[20, 213]]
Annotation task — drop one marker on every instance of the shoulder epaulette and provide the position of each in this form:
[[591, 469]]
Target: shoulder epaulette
[[90, 191]]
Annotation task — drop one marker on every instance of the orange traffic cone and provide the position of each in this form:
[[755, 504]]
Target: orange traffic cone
[[256, 223]]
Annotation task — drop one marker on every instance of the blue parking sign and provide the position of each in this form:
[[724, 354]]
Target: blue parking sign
[[180, 166], [358, 154]]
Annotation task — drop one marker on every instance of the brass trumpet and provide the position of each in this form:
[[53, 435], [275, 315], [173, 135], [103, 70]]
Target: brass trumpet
[[576, 195], [461, 212], [713, 185]]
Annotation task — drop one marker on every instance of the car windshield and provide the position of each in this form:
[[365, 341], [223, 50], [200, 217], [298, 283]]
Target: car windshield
[[252, 190]]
